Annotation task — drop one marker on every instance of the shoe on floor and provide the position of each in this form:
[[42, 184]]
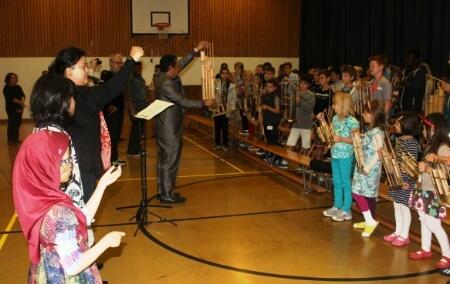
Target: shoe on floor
[[172, 200], [330, 212], [217, 147], [260, 152], [342, 216], [282, 164], [445, 272], [252, 148], [389, 238], [225, 148], [444, 263], [133, 155], [400, 242], [119, 162], [368, 230], [360, 225], [420, 254]]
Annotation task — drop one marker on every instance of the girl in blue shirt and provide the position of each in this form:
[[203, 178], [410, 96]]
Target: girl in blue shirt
[[342, 156]]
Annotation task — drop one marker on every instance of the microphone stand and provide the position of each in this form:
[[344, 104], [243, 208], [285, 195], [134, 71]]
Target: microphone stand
[[142, 209]]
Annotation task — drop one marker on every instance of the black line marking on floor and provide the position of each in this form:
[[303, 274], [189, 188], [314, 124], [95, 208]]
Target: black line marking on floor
[[225, 177], [195, 218], [275, 275]]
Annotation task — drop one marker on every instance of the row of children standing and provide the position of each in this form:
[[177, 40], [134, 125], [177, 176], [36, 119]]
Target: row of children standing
[[362, 184]]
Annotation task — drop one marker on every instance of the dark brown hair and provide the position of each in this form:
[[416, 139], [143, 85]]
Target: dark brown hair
[[380, 59], [350, 70], [377, 111]]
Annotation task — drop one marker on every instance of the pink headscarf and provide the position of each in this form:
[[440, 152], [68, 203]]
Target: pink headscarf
[[36, 185]]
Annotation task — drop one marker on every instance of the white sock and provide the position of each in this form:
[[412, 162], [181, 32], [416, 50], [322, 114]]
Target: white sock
[[406, 217], [398, 219], [368, 218]]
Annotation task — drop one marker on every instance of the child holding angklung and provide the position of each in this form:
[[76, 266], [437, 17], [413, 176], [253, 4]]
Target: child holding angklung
[[424, 197], [366, 180], [406, 125], [342, 156]]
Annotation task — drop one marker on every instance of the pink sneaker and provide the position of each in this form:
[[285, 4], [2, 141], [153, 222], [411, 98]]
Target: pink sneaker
[[444, 263], [390, 238], [420, 254], [400, 242]]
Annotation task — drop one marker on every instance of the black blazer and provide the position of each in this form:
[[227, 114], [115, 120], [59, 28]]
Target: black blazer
[[85, 131]]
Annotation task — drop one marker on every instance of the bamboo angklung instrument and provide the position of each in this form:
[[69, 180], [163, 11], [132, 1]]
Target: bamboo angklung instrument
[[363, 96], [390, 164], [288, 91], [208, 80], [249, 89], [409, 165], [357, 146], [325, 133], [439, 176], [434, 95]]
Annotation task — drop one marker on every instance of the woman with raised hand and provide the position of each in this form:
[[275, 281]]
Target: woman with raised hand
[[89, 131], [54, 227]]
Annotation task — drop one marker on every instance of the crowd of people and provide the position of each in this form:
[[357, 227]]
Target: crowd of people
[[387, 105], [63, 168]]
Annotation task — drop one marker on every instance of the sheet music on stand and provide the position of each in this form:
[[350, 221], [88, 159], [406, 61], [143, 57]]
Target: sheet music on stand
[[153, 109]]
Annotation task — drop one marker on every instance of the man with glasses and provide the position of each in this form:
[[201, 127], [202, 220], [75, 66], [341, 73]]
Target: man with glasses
[[113, 111]]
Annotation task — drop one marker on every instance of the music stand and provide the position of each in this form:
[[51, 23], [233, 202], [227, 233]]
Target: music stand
[[142, 208]]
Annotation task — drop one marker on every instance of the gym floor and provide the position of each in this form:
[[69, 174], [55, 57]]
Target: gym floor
[[241, 223]]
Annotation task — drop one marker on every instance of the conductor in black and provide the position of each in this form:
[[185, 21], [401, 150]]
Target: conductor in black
[[169, 123]]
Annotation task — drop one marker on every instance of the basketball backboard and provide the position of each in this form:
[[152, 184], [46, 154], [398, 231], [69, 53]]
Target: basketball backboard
[[146, 13]]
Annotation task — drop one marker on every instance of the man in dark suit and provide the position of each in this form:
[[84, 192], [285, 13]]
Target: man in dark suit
[[114, 110], [169, 123], [413, 83]]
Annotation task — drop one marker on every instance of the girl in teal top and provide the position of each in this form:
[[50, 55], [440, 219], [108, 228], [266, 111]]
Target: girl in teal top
[[342, 157]]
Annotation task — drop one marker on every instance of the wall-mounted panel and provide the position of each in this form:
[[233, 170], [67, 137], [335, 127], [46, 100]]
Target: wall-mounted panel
[[238, 28]]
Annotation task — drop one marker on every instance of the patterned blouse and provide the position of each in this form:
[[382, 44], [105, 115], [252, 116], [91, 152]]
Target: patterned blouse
[[367, 184], [61, 246], [424, 198], [343, 128]]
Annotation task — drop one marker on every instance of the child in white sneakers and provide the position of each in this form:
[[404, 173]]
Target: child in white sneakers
[[342, 156]]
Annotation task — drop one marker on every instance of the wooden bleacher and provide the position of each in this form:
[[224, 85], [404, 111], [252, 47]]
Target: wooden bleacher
[[294, 157], [204, 125]]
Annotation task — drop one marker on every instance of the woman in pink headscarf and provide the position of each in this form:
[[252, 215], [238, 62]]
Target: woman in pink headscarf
[[55, 229]]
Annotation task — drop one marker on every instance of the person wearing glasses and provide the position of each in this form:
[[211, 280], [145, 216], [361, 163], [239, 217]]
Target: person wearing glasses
[[113, 111], [89, 131], [55, 227]]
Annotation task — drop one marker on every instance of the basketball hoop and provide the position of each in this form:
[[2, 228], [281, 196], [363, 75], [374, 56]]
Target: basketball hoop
[[161, 27]]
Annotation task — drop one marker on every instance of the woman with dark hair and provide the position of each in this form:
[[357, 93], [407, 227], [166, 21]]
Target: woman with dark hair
[[14, 103], [56, 230], [51, 211], [424, 198], [52, 104], [89, 131]]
